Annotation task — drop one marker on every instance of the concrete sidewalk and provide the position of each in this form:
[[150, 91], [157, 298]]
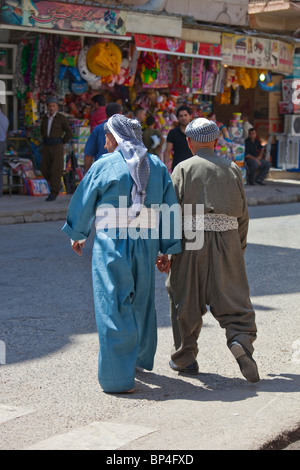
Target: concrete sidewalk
[[23, 209]]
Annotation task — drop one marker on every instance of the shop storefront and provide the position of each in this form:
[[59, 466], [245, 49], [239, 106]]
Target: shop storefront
[[254, 72], [49, 41], [75, 51]]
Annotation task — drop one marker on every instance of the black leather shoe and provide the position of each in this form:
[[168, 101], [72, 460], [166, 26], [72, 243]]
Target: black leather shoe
[[192, 369], [245, 361], [260, 182], [51, 197]]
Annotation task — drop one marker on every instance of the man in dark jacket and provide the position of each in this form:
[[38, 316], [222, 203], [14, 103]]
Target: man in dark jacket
[[56, 132]]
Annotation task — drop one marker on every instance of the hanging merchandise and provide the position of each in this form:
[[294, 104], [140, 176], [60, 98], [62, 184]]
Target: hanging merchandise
[[265, 81], [79, 87], [208, 82], [47, 51], [131, 65], [89, 77], [244, 78], [28, 62], [71, 73], [104, 59], [19, 86], [236, 96], [161, 80], [197, 70], [31, 114], [182, 73], [148, 67], [254, 77], [224, 97], [67, 59], [63, 88], [231, 78], [68, 52]]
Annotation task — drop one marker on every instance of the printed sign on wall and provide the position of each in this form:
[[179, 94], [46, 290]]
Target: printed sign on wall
[[63, 16], [260, 53]]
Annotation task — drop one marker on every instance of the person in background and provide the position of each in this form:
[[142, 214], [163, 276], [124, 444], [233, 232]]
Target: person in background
[[140, 114], [95, 146], [257, 167], [116, 189], [56, 132], [4, 124], [98, 114], [246, 126], [210, 271], [152, 137], [176, 139]]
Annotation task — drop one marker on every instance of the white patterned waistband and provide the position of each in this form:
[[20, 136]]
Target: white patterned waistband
[[210, 222], [111, 217]]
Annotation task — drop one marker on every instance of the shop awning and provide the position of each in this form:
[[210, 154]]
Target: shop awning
[[178, 47]]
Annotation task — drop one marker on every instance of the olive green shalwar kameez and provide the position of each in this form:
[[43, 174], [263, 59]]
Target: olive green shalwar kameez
[[215, 274]]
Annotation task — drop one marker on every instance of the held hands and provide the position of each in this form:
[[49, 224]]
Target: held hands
[[77, 247], [163, 263]]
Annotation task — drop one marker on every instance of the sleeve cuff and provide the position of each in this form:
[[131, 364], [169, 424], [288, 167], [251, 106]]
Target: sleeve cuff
[[172, 250], [73, 234], [80, 241]]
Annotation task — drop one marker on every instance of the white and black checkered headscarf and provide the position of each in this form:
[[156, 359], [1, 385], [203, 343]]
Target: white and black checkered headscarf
[[202, 130], [129, 136]]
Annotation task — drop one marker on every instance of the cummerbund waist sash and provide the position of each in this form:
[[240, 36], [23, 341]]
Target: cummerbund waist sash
[[110, 217], [210, 222], [52, 140], [119, 218]]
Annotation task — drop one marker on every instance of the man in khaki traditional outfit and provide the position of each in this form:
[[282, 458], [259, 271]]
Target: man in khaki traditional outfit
[[213, 274]]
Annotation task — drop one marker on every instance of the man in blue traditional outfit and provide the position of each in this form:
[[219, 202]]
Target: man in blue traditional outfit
[[119, 191]]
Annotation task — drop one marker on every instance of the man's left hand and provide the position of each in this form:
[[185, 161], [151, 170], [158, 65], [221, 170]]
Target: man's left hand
[[163, 263]]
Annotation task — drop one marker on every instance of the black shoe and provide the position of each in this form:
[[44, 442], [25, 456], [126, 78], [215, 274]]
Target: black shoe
[[251, 184], [51, 197], [245, 361], [192, 369], [260, 182]]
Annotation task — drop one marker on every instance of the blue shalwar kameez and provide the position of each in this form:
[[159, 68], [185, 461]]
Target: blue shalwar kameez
[[123, 269]]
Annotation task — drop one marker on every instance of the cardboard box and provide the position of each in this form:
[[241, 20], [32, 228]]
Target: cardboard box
[[285, 107], [276, 125], [287, 89], [296, 108]]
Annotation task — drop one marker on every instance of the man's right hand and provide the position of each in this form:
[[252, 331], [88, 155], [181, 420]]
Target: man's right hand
[[77, 247]]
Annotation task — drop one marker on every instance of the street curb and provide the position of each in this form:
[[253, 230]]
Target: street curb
[[31, 216], [267, 200]]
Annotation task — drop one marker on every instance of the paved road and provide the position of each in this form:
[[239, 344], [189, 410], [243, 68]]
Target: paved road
[[49, 395]]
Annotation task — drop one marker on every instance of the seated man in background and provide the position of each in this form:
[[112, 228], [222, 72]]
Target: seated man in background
[[254, 159]]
